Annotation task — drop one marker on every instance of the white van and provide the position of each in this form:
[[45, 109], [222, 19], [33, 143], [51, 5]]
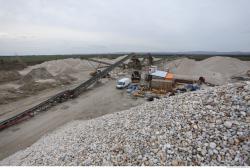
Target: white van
[[122, 83]]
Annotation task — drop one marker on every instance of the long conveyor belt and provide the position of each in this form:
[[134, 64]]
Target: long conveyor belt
[[60, 97], [98, 61]]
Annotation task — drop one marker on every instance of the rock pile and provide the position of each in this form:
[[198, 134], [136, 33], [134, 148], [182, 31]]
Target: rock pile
[[206, 127], [216, 70]]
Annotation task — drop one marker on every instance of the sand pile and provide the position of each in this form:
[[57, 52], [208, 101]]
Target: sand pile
[[7, 76], [40, 79], [65, 66], [33, 87], [9, 94], [217, 70], [37, 74], [37, 80], [65, 79]]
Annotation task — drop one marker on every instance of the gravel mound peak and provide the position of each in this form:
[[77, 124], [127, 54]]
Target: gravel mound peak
[[206, 127], [217, 69]]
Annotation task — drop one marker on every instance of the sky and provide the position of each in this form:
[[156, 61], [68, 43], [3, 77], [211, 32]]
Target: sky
[[103, 26]]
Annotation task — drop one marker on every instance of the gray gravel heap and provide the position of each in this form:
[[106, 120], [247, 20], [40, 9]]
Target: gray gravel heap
[[206, 127]]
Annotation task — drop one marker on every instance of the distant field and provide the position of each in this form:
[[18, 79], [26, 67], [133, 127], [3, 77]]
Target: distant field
[[20, 62], [41, 58]]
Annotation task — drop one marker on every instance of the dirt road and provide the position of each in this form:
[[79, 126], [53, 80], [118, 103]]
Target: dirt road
[[102, 99]]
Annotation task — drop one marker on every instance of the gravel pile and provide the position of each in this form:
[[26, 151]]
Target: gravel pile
[[217, 70], [206, 127]]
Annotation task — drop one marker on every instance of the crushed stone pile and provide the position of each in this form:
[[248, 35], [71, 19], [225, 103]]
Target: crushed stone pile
[[217, 70], [206, 127], [62, 66]]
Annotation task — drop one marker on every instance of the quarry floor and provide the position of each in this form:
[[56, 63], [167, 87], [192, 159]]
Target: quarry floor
[[101, 99]]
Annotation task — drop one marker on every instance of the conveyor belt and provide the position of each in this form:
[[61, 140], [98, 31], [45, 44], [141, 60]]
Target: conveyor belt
[[60, 97], [101, 62], [92, 80]]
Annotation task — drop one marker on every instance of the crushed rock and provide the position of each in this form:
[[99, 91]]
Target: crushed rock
[[185, 129]]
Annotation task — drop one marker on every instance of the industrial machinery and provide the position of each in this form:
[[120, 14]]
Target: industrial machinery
[[60, 97], [135, 63], [135, 77]]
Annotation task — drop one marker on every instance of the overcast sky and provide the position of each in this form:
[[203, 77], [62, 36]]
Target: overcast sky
[[96, 26]]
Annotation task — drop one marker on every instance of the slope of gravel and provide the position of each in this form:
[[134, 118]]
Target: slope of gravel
[[217, 70], [207, 127]]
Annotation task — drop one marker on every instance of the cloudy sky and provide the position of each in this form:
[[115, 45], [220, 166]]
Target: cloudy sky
[[96, 26]]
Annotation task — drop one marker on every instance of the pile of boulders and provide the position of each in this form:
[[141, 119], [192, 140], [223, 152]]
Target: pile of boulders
[[205, 127]]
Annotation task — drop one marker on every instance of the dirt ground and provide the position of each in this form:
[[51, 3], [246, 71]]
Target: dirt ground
[[101, 99]]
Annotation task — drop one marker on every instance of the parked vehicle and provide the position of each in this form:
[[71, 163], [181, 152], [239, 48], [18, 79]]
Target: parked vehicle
[[123, 83], [132, 87]]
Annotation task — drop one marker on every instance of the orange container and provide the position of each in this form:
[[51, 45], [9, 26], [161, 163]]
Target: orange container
[[169, 76]]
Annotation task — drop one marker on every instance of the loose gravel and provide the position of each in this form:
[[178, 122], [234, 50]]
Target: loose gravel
[[206, 127]]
